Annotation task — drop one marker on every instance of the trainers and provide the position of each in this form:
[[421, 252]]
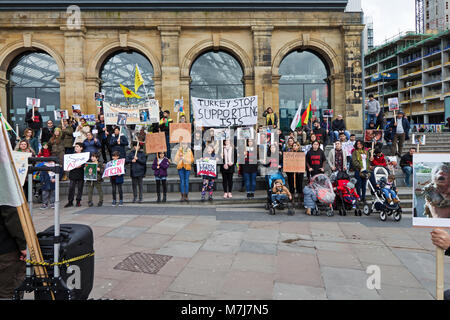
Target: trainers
[[78, 204], [210, 198], [203, 198], [68, 205], [100, 203], [114, 203], [90, 204], [44, 206], [121, 203], [52, 206]]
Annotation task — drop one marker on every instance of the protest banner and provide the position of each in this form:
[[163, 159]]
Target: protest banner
[[294, 162], [371, 135], [72, 161], [76, 110], [245, 133], [178, 105], [393, 104], [61, 114], [207, 167], [90, 172], [111, 112], [21, 164], [225, 112], [90, 119], [180, 132], [327, 113], [155, 142], [419, 139], [114, 168], [33, 102]]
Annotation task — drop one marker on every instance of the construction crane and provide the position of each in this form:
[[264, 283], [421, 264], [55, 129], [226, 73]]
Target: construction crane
[[420, 16]]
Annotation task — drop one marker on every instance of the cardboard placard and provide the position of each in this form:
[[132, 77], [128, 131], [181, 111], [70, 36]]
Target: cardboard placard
[[393, 104], [294, 162], [207, 167], [155, 142], [370, 135], [72, 161], [61, 114], [327, 113], [21, 164], [114, 168], [419, 139], [180, 132]]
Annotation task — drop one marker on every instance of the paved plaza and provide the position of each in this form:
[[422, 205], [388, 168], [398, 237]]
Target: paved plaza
[[240, 252]]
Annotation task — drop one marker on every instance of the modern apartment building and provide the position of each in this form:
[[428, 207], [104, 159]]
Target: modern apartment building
[[419, 65], [436, 15]]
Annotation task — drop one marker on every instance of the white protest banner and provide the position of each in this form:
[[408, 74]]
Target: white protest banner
[[33, 102], [225, 113], [393, 104], [111, 112], [71, 161], [21, 163], [206, 167], [114, 168]]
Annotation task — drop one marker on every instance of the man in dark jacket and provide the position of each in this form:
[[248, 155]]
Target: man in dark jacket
[[441, 239], [164, 125], [321, 133], [47, 133], [338, 126], [76, 177], [138, 162], [12, 252], [118, 143], [406, 163], [104, 133], [34, 123], [400, 132]]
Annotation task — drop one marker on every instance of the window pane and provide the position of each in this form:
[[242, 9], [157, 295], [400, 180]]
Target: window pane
[[32, 75], [120, 69]]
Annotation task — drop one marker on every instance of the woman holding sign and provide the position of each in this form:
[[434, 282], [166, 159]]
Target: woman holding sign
[[250, 170], [184, 159], [295, 180]]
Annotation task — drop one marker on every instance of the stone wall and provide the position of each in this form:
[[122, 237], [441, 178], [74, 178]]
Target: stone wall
[[173, 40]]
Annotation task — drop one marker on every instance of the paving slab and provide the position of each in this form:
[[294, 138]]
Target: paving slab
[[295, 227], [389, 292], [247, 285], [113, 221], [173, 267], [229, 226], [198, 281], [169, 295], [269, 225], [151, 240], [285, 291], [398, 276], [182, 249], [144, 221], [258, 247], [126, 232], [298, 268], [262, 235], [375, 254], [210, 260], [246, 261], [102, 287], [338, 259], [357, 230]]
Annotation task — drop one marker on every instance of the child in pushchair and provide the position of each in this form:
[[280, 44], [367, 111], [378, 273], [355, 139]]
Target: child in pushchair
[[346, 195], [320, 187], [278, 196], [383, 202]]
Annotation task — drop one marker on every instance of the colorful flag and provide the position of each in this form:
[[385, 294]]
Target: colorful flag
[[296, 123], [10, 192], [307, 115], [138, 80], [128, 93]]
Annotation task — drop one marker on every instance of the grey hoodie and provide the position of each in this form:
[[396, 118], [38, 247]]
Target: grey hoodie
[[373, 107]]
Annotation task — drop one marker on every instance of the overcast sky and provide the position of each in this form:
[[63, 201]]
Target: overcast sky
[[390, 17]]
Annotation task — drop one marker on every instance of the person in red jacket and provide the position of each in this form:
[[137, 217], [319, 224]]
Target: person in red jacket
[[45, 151], [379, 159]]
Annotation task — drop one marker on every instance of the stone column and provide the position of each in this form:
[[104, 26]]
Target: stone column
[[75, 72], [353, 77], [262, 51], [184, 92], [92, 86], [170, 69], [3, 94], [337, 93]]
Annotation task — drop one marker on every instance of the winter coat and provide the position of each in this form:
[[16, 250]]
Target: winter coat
[[268, 120], [34, 144], [338, 125], [119, 147], [77, 173], [46, 181], [321, 135], [188, 159], [138, 168], [91, 146], [379, 161], [310, 197], [406, 127], [357, 160], [117, 179], [332, 159], [47, 133], [67, 136], [58, 149], [163, 166], [36, 123], [12, 238], [44, 153], [406, 160], [345, 190]]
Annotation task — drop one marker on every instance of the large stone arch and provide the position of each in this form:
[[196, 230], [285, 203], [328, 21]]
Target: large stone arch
[[225, 45], [320, 47], [14, 49], [99, 57]]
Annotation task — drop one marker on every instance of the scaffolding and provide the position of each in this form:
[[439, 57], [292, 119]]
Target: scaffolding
[[420, 16]]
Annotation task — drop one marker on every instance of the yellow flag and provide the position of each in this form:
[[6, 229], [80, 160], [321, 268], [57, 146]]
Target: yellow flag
[[138, 80], [128, 93]]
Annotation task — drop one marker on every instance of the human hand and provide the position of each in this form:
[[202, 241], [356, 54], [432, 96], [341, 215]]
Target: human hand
[[322, 169], [310, 169], [134, 160], [23, 255], [440, 238], [333, 168]]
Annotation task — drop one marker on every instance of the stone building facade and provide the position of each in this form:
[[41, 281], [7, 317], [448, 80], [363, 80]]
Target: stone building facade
[[172, 40]]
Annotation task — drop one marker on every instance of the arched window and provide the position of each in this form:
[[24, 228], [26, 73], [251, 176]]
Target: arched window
[[120, 68], [216, 75], [34, 75], [303, 77]]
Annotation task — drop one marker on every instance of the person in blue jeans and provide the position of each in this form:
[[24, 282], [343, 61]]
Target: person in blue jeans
[[249, 170], [406, 163], [373, 110], [184, 159]]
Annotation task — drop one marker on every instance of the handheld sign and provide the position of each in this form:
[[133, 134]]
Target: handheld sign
[[72, 161], [294, 162], [90, 172], [114, 168], [155, 142], [207, 167], [393, 104], [21, 164], [180, 132]]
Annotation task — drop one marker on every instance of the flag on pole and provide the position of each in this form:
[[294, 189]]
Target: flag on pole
[[307, 115], [138, 80], [128, 93], [296, 123], [10, 192]]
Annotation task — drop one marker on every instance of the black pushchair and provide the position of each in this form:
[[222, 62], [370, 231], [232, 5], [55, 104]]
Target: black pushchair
[[271, 204]]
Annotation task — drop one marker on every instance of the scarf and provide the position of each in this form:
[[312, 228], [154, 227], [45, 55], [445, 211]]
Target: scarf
[[270, 118], [227, 155]]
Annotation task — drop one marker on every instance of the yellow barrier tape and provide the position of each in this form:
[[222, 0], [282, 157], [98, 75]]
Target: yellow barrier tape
[[66, 262]]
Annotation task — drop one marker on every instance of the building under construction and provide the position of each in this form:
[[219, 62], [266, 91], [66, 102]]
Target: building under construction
[[419, 68]]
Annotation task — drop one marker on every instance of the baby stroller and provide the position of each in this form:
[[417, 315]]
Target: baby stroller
[[279, 205], [323, 188], [346, 196], [379, 201]]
